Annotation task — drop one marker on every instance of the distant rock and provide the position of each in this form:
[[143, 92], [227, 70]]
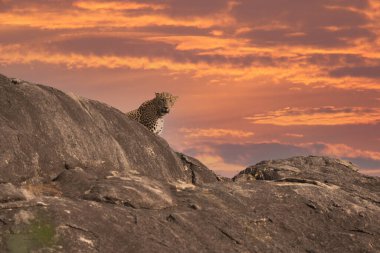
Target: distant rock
[[311, 169], [77, 175]]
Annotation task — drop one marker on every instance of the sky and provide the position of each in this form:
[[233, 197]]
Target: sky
[[256, 80]]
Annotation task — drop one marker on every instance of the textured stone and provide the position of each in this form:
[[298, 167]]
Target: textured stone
[[9, 193], [196, 171], [44, 130], [77, 176]]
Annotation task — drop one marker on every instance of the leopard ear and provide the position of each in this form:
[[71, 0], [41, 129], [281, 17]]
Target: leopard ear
[[157, 94]]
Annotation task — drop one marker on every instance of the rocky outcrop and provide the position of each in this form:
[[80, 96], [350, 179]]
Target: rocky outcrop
[[45, 131], [77, 176]]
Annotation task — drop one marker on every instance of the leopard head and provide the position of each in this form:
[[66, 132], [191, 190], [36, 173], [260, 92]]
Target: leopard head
[[165, 102]]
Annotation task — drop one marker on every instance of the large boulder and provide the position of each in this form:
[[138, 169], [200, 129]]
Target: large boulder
[[78, 176], [44, 132]]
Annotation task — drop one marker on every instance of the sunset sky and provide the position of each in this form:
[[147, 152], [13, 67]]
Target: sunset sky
[[256, 79]]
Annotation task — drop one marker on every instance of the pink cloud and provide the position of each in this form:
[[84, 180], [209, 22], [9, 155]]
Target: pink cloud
[[293, 135], [215, 133], [327, 115]]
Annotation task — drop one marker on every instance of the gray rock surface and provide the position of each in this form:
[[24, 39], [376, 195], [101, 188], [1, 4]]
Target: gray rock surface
[[77, 176]]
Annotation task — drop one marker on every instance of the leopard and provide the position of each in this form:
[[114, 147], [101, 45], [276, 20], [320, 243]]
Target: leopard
[[151, 112]]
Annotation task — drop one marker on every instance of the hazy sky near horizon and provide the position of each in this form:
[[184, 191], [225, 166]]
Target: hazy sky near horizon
[[257, 79]]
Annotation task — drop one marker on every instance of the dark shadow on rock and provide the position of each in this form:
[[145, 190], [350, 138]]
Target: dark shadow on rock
[[196, 171]]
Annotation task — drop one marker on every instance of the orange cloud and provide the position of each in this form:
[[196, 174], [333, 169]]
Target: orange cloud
[[289, 61], [295, 69], [217, 32], [222, 72], [200, 42], [116, 5], [242, 30], [294, 135], [18, 54], [218, 72], [215, 133], [111, 18], [328, 115]]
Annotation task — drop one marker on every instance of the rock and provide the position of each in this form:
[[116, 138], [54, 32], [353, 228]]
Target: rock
[[44, 130], [312, 167], [9, 193], [196, 171], [141, 193], [73, 183], [314, 170], [77, 176]]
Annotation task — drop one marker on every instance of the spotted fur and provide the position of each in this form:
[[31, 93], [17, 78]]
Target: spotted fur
[[151, 112]]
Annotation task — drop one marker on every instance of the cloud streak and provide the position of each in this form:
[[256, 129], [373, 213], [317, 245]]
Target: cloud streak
[[215, 133], [117, 5], [113, 18], [324, 116], [293, 135]]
